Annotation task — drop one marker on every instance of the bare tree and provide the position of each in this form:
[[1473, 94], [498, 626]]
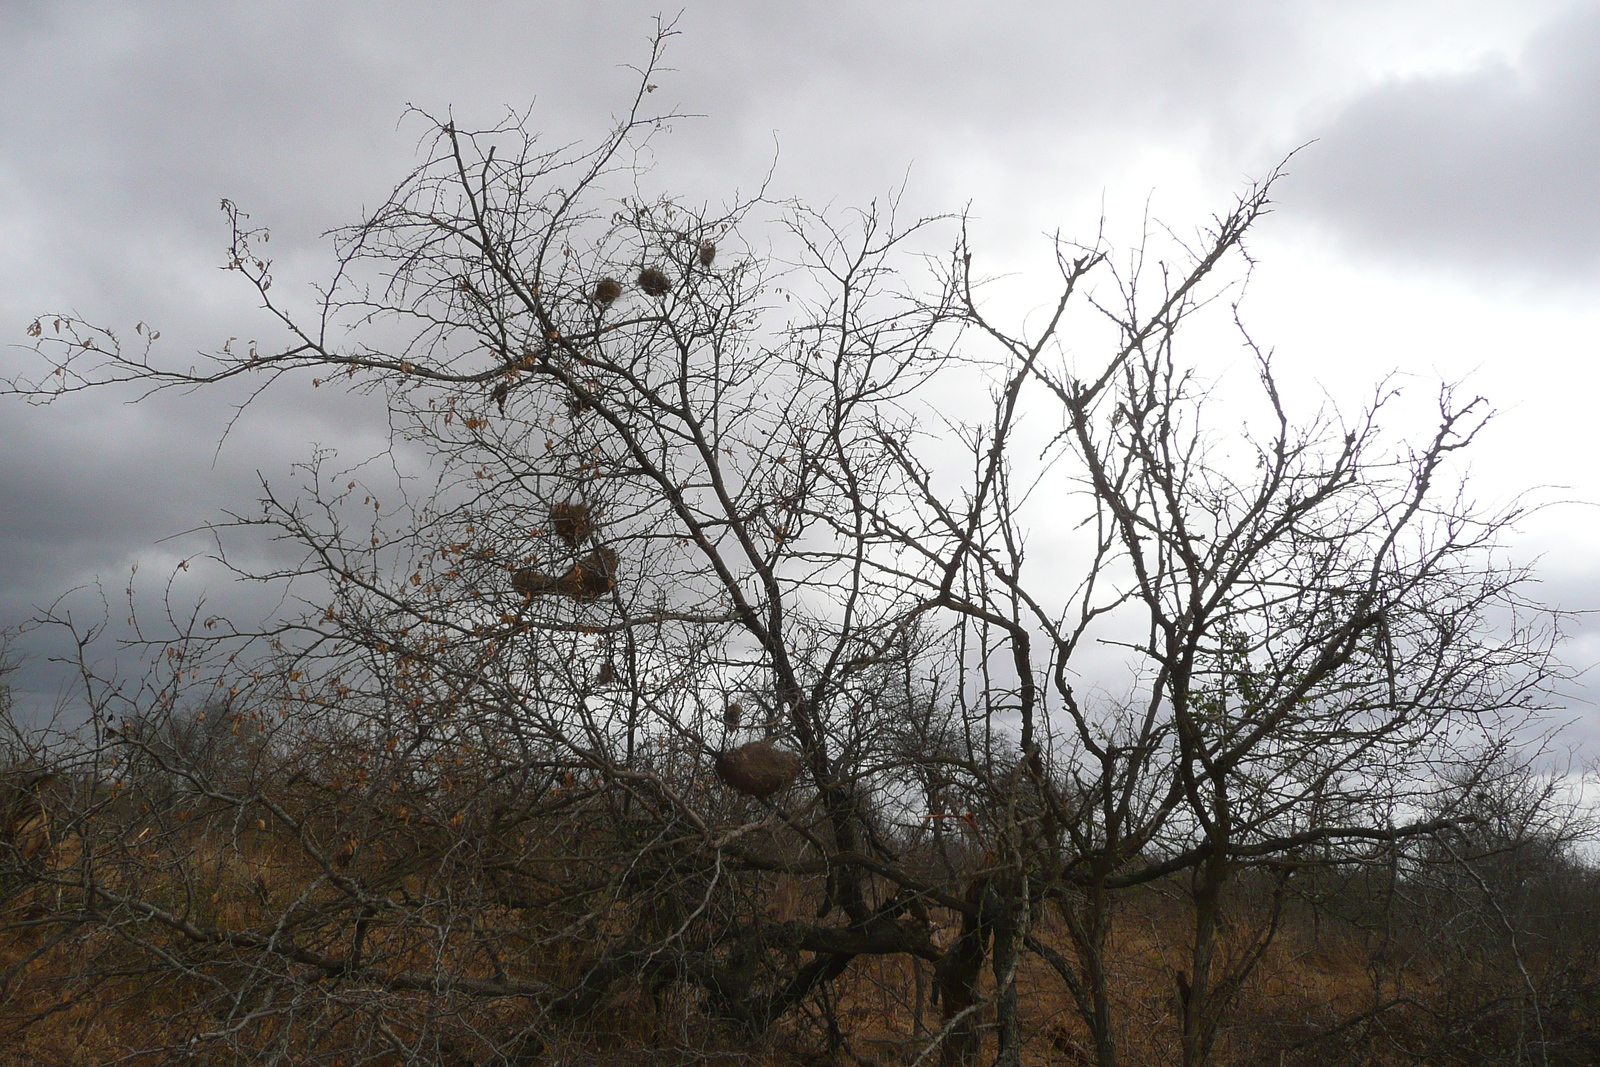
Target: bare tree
[[712, 663], [1317, 621]]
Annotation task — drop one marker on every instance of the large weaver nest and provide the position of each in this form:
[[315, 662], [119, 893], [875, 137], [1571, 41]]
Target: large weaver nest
[[589, 578], [758, 769]]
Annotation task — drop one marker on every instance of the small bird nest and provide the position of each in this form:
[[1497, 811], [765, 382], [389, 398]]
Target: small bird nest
[[606, 290], [758, 769], [590, 578], [572, 521], [654, 282], [708, 252], [731, 716], [531, 582]]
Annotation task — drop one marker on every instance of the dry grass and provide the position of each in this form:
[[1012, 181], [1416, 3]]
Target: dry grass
[[87, 985]]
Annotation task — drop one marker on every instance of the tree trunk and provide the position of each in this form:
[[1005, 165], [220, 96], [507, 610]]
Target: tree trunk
[[1088, 927], [957, 975], [1007, 932], [1195, 995]]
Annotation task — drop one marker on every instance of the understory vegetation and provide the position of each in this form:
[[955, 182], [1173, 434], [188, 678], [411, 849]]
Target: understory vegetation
[[535, 916]]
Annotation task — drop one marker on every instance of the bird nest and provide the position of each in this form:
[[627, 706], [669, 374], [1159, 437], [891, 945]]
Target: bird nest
[[589, 578], [654, 281], [572, 521], [758, 769]]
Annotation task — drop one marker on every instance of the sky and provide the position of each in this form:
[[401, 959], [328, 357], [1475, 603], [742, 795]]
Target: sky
[[1440, 220]]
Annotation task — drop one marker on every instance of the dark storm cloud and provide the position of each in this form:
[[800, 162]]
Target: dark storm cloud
[[126, 123], [1494, 170], [144, 114]]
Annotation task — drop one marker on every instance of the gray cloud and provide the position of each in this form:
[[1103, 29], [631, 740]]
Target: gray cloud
[[126, 122], [1495, 170]]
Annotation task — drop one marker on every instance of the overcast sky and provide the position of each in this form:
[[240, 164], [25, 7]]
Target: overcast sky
[[1442, 220]]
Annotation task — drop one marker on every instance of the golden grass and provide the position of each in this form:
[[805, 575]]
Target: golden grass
[[78, 991]]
